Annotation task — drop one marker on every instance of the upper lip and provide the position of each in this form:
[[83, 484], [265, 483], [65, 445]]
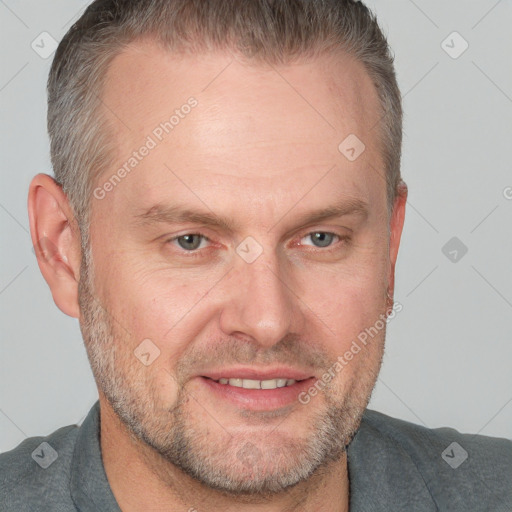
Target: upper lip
[[281, 372]]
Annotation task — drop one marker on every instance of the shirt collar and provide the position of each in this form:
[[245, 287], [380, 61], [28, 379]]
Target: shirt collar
[[382, 474], [89, 486]]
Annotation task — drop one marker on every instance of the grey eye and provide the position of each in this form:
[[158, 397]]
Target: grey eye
[[321, 238], [190, 241]]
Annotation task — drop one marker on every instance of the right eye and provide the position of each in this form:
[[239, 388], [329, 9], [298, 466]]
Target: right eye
[[190, 242]]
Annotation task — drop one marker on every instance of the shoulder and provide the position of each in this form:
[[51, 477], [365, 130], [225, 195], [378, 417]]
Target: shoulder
[[37, 471], [440, 445], [457, 469]]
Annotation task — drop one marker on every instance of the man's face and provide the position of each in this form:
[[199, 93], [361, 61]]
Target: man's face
[[177, 302]]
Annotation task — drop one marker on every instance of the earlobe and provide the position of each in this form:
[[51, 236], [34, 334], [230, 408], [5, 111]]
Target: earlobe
[[56, 241]]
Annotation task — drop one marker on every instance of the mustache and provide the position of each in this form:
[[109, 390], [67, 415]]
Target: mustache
[[291, 351]]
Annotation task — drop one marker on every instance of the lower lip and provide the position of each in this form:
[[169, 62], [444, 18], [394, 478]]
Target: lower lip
[[258, 399]]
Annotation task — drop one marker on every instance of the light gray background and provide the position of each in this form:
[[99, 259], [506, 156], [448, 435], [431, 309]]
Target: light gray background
[[449, 352]]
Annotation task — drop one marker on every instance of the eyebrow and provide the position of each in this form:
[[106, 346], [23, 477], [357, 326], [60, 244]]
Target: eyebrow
[[174, 214], [351, 206], [177, 214]]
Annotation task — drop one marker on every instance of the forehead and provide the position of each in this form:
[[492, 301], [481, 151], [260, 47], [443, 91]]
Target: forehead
[[252, 125]]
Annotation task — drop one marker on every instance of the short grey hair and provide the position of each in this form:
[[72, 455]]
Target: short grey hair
[[271, 31]]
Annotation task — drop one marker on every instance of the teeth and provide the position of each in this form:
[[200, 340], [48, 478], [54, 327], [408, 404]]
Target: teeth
[[258, 384], [250, 384]]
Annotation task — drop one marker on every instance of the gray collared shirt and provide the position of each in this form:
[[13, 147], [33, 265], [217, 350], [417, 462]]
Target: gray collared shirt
[[393, 466]]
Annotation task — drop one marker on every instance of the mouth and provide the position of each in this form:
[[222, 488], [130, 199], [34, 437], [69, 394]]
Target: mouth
[[257, 391], [256, 384]]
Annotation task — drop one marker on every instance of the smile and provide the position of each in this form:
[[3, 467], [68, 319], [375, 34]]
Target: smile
[[257, 384]]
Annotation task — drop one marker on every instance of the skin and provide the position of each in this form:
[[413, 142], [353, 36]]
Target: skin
[[260, 149]]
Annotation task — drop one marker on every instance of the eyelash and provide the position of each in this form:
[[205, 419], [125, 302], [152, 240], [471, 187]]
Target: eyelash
[[198, 253]]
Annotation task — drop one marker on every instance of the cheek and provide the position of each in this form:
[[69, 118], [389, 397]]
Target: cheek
[[347, 301], [154, 306], [356, 360], [164, 388]]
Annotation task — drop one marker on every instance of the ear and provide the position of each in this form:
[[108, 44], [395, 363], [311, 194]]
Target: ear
[[395, 228], [56, 241]]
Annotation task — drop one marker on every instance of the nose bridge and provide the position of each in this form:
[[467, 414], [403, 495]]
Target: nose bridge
[[262, 305]]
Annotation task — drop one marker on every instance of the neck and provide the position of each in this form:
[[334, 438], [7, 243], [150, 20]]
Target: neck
[[141, 479]]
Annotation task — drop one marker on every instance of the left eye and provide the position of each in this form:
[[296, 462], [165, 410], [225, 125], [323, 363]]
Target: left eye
[[321, 238], [190, 241]]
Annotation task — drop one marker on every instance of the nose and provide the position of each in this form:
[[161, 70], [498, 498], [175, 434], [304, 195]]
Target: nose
[[260, 303]]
